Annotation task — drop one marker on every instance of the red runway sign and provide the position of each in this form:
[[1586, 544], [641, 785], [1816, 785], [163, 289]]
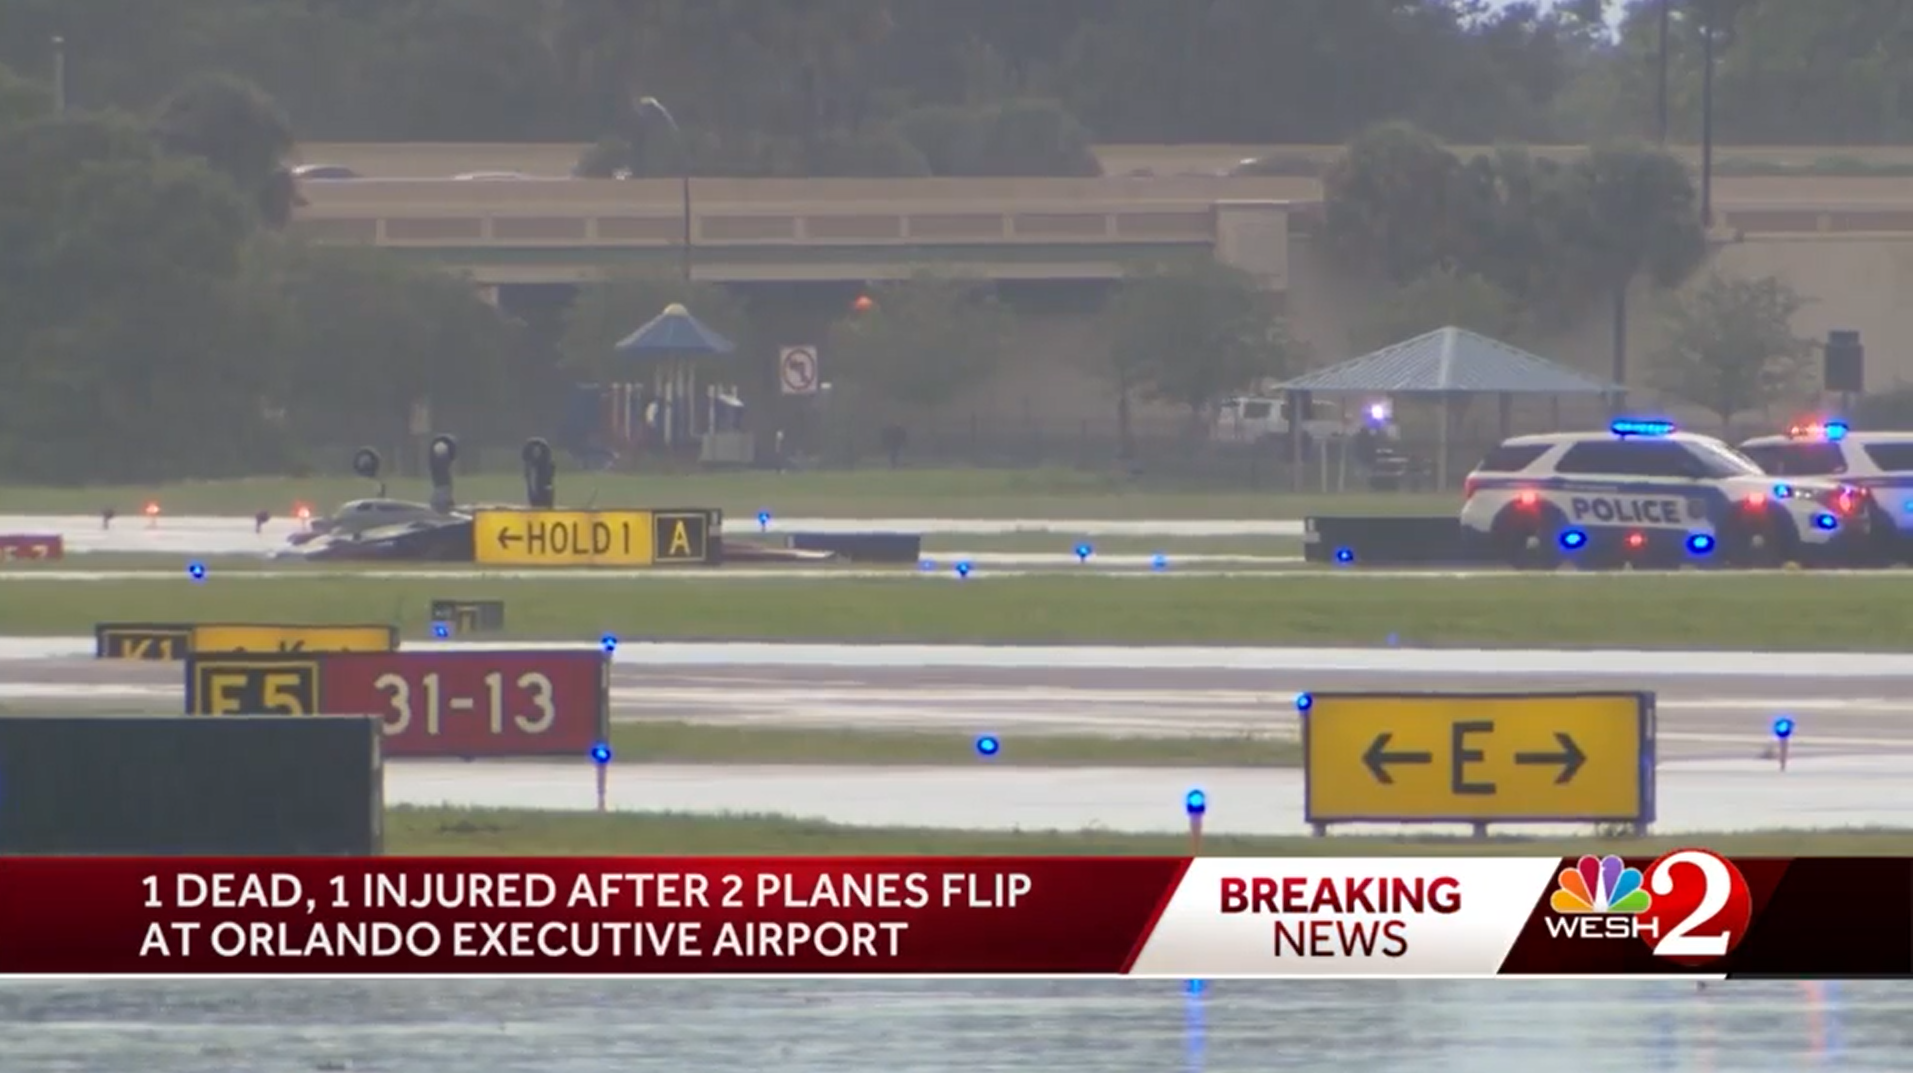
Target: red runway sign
[[31, 547], [475, 703]]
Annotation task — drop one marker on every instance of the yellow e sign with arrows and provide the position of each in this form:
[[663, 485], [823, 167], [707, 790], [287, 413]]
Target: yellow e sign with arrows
[[1479, 758]]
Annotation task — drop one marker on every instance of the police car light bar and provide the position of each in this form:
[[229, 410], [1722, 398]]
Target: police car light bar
[[1626, 427], [1830, 430]]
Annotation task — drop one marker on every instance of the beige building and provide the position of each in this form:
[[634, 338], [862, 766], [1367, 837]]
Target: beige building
[[1844, 243]]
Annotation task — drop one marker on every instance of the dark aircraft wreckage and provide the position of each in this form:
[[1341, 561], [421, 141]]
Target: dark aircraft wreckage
[[383, 529]]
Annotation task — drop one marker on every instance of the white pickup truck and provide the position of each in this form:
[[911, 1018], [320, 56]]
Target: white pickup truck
[[1257, 419]]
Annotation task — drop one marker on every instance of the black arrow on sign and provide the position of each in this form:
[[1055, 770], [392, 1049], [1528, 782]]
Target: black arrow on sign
[[1378, 758], [506, 537], [1570, 758]]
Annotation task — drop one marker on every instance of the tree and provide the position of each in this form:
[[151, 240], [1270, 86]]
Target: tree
[[1731, 345], [21, 101], [1190, 335], [921, 343], [606, 311], [1636, 215], [1389, 203], [1441, 299], [124, 334], [369, 336], [235, 127]]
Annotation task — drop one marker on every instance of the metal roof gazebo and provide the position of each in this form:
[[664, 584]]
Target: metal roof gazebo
[[1446, 363], [669, 346]]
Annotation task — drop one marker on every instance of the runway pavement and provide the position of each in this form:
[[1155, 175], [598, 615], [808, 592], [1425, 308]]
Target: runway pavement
[[1701, 715], [1694, 796], [202, 535]]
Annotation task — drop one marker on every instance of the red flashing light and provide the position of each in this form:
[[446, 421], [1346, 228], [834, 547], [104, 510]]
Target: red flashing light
[[302, 512], [1527, 499], [1635, 540], [864, 304], [152, 510], [1756, 500]]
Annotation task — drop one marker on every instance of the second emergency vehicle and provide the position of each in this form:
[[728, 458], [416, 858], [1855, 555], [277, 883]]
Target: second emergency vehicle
[[1644, 493], [1880, 463]]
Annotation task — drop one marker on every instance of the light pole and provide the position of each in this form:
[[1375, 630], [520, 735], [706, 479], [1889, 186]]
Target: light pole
[[1707, 117], [1661, 99], [684, 175], [59, 75]]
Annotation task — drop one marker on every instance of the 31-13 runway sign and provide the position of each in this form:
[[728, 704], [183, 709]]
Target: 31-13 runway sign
[[531, 702]]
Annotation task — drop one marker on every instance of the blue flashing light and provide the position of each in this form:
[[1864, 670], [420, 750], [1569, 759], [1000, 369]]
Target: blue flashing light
[[1629, 427], [988, 745], [1835, 430], [1195, 802], [1783, 728], [441, 630], [609, 642], [1195, 987], [601, 753], [763, 519], [1574, 540], [1083, 552], [1783, 491], [196, 571], [1159, 562], [1700, 543], [1826, 521], [1907, 506], [1344, 555], [1304, 701], [963, 568]]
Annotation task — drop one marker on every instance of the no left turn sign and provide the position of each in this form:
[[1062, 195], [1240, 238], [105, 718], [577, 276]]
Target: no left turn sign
[[797, 370]]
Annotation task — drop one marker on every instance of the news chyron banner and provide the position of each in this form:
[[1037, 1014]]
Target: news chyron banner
[[1689, 913]]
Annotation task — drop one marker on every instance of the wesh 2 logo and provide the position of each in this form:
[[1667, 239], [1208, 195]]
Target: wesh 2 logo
[[1690, 906]]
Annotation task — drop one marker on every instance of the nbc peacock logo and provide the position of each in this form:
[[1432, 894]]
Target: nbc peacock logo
[[1600, 898]]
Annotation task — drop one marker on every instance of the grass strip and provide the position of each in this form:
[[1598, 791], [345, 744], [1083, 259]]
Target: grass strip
[[1806, 611]]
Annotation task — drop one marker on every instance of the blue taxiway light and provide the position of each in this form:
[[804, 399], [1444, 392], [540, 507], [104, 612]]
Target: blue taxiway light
[[963, 568], [927, 565], [763, 519], [988, 745], [441, 630], [601, 753], [196, 571], [1783, 728], [1195, 802], [1083, 552], [609, 641], [1159, 562], [1344, 555], [1303, 702]]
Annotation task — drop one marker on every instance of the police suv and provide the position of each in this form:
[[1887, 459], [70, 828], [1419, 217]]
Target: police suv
[[1643, 493], [1878, 463]]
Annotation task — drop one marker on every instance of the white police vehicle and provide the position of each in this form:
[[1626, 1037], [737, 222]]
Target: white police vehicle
[[1880, 464], [1644, 493]]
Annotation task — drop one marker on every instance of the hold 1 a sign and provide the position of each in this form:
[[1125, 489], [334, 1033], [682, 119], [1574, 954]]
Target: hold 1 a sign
[[797, 370]]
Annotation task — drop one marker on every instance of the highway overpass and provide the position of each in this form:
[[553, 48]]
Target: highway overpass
[[767, 230]]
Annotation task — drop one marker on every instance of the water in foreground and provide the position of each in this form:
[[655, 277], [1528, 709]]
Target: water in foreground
[[924, 1026]]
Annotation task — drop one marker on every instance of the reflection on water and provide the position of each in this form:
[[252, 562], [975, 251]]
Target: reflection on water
[[494, 1026]]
